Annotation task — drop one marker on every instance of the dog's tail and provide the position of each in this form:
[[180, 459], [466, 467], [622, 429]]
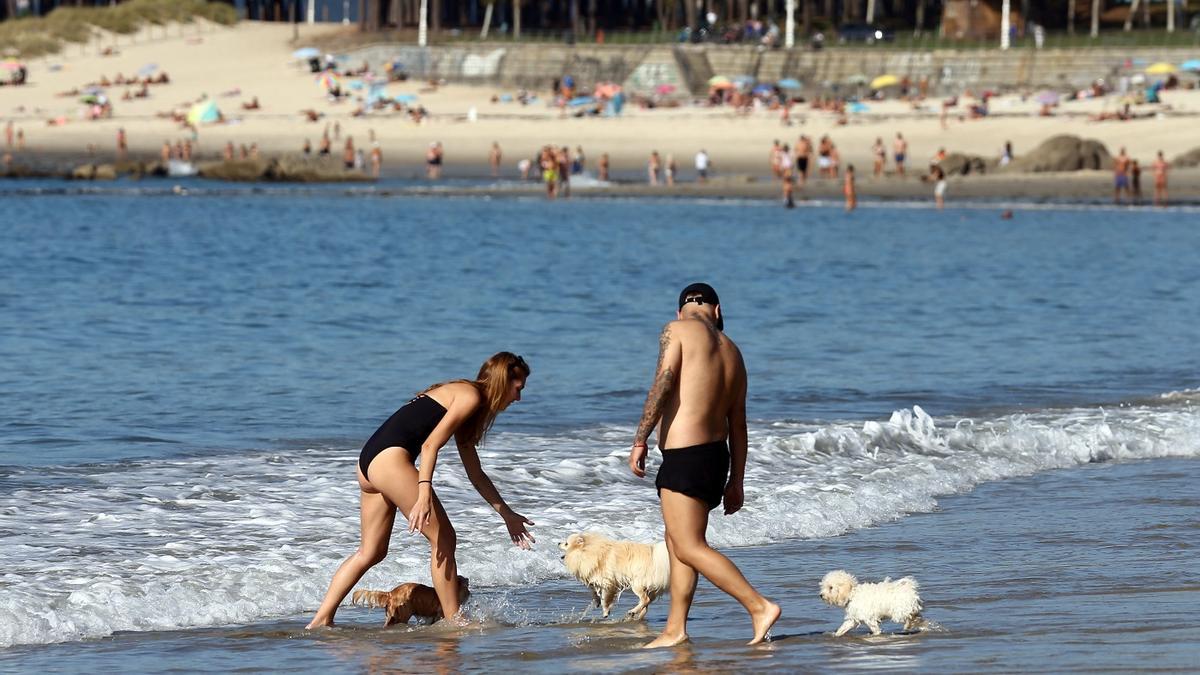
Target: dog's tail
[[662, 566], [371, 598]]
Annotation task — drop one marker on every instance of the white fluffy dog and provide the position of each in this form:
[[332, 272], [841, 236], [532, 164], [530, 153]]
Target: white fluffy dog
[[872, 604], [608, 567]]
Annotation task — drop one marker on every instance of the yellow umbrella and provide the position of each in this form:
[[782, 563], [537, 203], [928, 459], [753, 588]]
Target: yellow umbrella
[[884, 81], [1161, 68]]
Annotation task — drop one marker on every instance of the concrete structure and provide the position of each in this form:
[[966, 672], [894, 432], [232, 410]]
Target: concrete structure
[[688, 67]]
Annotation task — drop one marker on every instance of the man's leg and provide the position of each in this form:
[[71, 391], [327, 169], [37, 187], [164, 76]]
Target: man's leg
[[683, 589], [686, 520]]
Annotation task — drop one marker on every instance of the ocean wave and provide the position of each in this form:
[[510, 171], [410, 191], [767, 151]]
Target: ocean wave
[[199, 541]]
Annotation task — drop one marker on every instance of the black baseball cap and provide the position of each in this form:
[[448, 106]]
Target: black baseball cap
[[706, 293]]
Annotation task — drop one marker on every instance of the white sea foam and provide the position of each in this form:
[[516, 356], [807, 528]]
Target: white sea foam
[[233, 538]]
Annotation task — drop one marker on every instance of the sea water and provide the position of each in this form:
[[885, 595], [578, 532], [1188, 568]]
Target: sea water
[[189, 375]]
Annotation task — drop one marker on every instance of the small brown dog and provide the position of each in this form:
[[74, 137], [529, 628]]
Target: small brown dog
[[408, 600]]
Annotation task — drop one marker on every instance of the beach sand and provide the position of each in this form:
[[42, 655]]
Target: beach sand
[[253, 60]]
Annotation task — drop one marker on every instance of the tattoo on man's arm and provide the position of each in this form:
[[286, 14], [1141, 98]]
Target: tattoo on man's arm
[[656, 400], [663, 381]]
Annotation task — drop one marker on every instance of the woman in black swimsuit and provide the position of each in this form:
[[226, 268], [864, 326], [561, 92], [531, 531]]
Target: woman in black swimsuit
[[389, 478]]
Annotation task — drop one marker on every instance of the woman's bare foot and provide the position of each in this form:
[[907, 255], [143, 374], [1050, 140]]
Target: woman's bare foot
[[325, 623], [763, 620], [667, 640]]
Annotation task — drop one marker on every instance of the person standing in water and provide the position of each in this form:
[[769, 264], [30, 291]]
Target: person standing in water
[[698, 403], [849, 190], [389, 478]]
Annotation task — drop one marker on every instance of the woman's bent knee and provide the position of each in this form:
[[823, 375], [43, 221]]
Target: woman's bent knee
[[370, 557]]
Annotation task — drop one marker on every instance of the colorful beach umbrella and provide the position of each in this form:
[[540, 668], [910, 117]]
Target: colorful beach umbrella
[[305, 53], [1192, 65], [1161, 68], [204, 112], [884, 81], [789, 83], [719, 81], [11, 64], [329, 80], [762, 89]]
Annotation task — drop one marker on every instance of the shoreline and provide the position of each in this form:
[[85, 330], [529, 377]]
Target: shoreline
[[1077, 187]]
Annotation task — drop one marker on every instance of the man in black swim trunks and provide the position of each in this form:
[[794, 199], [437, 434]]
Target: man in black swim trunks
[[699, 395]]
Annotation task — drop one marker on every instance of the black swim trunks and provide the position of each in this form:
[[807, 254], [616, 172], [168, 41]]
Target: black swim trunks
[[698, 471], [407, 428]]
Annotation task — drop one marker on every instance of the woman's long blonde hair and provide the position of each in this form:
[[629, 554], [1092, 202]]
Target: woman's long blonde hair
[[494, 378]]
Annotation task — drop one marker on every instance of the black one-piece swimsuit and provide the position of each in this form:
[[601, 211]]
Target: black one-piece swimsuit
[[407, 428]]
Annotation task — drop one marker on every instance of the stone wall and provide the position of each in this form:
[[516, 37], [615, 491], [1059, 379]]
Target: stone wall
[[688, 67]]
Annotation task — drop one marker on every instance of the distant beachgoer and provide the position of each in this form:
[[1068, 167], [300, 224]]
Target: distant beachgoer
[[360, 159], [671, 169], [433, 162], [20, 138], [494, 157], [579, 162], [326, 147], [187, 153], [702, 164], [653, 167], [849, 190], [389, 478], [602, 166], [1160, 180], [803, 152], [187, 150], [563, 157], [228, 154], [1120, 176], [122, 144], [523, 166], [939, 186], [773, 159], [348, 153], [164, 153], [8, 135], [307, 149], [243, 152], [1135, 181], [785, 164], [549, 165], [1007, 155], [824, 163], [899, 152], [789, 199], [376, 160], [880, 154]]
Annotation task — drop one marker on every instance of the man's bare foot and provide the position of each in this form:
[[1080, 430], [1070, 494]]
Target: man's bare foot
[[319, 624], [763, 621], [667, 640]]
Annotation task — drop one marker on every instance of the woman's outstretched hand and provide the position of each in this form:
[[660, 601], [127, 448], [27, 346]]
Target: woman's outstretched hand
[[421, 512], [516, 523]]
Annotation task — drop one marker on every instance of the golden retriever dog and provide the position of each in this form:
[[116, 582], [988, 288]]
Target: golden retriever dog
[[608, 567], [408, 600]]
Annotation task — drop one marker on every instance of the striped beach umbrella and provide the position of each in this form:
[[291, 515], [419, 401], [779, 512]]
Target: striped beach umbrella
[[329, 80]]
